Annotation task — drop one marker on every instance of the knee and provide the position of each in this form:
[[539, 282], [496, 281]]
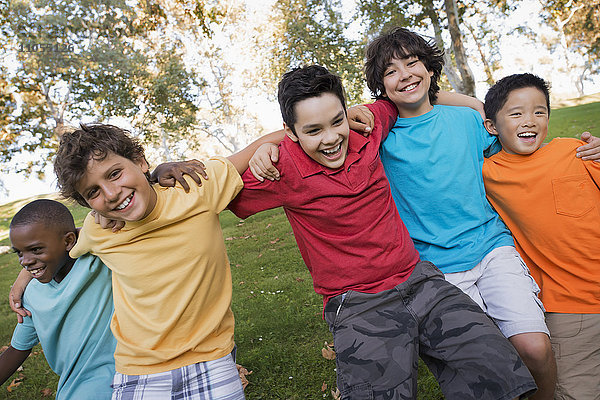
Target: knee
[[535, 349]]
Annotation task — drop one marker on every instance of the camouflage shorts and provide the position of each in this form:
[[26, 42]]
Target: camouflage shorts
[[379, 337]]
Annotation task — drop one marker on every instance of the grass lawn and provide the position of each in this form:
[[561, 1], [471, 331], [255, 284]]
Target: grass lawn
[[279, 329]]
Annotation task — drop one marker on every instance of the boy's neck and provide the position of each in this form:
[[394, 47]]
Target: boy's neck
[[64, 270], [414, 110]]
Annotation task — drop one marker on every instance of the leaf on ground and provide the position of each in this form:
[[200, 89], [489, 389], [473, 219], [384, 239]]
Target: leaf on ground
[[243, 373], [299, 280], [328, 351], [47, 392], [259, 256], [275, 241], [3, 349], [14, 384], [336, 395], [268, 225], [323, 387]]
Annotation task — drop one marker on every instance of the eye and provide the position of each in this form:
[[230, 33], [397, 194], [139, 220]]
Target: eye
[[91, 193], [412, 63], [114, 174], [389, 72], [37, 250], [313, 131], [515, 114], [338, 122], [540, 112], [17, 252]]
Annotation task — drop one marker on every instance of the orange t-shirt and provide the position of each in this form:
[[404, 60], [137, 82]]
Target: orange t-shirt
[[550, 200]]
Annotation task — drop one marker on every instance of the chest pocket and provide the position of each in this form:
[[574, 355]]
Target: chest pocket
[[572, 195]]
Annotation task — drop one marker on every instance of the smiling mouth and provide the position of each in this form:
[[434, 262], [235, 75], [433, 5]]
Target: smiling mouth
[[37, 272], [332, 152], [409, 87], [527, 135], [125, 203]]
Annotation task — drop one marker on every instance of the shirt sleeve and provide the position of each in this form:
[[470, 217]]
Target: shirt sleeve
[[24, 336], [84, 244], [386, 115], [223, 184], [593, 168], [258, 196]]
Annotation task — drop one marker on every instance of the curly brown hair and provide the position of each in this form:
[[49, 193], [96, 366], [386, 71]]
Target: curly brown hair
[[91, 141], [401, 43]]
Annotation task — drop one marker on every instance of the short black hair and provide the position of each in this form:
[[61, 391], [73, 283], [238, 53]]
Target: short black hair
[[303, 83], [498, 94], [50, 213], [401, 43], [91, 141]]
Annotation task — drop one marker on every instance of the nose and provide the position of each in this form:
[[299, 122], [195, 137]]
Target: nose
[[111, 192], [330, 136], [26, 260], [528, 121], [404, 72]]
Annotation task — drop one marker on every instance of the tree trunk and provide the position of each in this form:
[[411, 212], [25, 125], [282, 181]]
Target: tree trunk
[[449, 70], [459, 51]]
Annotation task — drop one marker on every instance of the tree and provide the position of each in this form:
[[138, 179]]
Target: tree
[[578, 26], [312, 32]]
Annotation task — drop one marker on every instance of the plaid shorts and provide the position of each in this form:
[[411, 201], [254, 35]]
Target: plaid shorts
[[216, 379]]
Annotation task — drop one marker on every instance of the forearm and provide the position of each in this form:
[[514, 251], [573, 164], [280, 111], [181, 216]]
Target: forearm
[[10, 361], [241, 158], [461, 100]]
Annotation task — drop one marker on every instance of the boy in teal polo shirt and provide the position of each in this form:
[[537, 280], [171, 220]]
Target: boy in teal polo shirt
[[70, 301]]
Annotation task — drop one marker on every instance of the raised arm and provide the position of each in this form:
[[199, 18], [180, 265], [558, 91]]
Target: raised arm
[[461, 100], [242, 158], [15, 296]]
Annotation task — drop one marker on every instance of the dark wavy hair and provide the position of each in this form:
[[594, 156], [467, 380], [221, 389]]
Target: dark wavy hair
[[303, 83], [498, 94], [401, 43], [91, 141]]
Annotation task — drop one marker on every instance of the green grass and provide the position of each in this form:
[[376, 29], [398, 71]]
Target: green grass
[[279, 329], [572, 121]]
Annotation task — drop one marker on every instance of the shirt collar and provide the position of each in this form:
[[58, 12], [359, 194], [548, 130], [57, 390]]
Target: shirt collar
[[307, 166]]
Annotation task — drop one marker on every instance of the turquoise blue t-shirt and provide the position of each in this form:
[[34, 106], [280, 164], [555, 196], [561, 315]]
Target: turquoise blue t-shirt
[[434, 165], [71, 320]]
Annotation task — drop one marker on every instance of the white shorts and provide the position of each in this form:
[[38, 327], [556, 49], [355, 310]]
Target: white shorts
[[503, 287]]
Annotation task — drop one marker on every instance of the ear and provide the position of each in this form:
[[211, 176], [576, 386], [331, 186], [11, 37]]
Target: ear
[[289, 133], [142, 163], [490, 127], [70, 239]]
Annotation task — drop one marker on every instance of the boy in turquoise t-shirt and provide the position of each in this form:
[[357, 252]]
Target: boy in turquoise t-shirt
[[70, 301]]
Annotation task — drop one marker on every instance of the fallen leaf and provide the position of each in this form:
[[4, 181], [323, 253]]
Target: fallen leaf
[[242, 282], [243, 373], [3, 348], [229, 238], [323, 387], [328, 352], [15, 383], [275, 241], [299, 280], [336, 395], [47, 392], [259, 256], [268, 225]]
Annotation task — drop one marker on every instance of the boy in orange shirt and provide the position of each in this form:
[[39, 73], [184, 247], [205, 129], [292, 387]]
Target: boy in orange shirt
[[550, 201]]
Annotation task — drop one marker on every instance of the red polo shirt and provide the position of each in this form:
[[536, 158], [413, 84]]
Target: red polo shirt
[[345, 222]]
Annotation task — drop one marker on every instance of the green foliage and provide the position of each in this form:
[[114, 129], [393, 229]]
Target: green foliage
[[312, 32]]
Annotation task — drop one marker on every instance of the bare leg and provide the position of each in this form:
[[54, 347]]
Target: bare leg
[[536, 351]]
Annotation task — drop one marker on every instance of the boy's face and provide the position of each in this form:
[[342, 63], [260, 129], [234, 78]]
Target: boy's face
[[42, 250], [321, 129], [407, 82], [522, 122], [117, 188]]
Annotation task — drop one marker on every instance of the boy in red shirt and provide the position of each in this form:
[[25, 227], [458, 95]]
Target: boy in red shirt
[[550, 201], [384, 306]]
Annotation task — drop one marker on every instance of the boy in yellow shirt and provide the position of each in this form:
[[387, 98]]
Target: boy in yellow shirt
[[173, 322], [550, 200]]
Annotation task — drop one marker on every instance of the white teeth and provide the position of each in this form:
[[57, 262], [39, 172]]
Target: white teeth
[[332, 151], [526, 134], [125, 203], [409, 87], [36, 272]]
